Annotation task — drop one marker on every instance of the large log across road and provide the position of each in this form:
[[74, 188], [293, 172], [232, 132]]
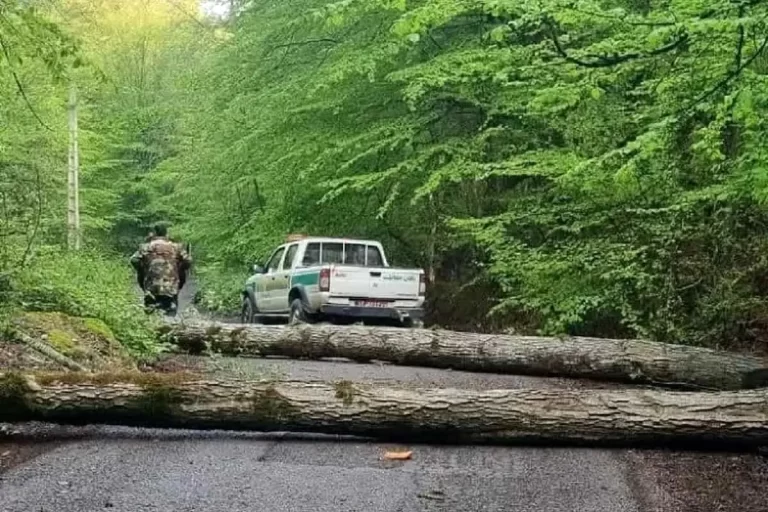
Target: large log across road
[[632, 361], [592, 417]]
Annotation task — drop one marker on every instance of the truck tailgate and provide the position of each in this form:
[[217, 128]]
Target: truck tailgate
[[374, 283]]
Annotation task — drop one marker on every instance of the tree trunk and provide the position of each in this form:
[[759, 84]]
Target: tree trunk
[[633, 361], [593, 417]]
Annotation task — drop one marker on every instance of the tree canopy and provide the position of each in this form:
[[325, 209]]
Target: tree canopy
[[586, 167]]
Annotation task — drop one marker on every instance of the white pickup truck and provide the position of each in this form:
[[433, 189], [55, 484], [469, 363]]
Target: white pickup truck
[[339, 280]]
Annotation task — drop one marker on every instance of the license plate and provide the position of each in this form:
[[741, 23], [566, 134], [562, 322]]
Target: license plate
[[372, 303]]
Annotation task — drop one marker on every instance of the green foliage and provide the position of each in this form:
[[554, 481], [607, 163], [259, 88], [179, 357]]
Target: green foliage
[[220, 289], [128, 121], [599, 167], [34, 55], [39, 60], [89, 285], [600, 163]]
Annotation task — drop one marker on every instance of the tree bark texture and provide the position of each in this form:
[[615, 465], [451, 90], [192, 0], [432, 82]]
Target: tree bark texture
[[628, 417], [631, 361]]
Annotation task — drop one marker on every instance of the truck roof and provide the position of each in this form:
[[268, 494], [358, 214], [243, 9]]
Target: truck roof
[[334, 240]]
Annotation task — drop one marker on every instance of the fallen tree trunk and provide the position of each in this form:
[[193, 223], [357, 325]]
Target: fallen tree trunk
[[593, 417], [633, 361]]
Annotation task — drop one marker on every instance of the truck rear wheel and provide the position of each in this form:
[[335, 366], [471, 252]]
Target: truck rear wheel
[[298, 314]]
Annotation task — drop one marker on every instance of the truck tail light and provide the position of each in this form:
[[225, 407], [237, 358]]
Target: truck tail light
[[422, 285], [325, 280]]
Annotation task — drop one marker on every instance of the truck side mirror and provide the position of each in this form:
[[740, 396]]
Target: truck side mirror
[[258, 269]]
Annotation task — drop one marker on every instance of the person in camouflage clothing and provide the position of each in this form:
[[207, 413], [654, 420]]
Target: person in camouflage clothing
[[161, 268]]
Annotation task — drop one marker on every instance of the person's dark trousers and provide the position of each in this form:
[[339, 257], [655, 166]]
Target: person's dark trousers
[[169, 305]]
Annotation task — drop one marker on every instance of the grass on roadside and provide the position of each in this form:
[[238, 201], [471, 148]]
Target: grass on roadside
[[88, 285]]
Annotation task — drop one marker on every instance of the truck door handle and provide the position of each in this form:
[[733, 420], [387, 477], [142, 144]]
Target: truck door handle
[[375, 274]]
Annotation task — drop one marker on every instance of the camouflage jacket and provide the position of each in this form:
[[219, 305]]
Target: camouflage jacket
[[162, 266]]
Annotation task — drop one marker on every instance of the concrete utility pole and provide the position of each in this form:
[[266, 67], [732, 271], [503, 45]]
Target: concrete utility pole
[[73, 187]]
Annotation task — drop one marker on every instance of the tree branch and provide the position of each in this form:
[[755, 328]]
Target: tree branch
[[604, 61], [739, 47], [737, 58], [189, 15], [308, 41], [38, 219], [624, 20], [728, 78], [19, 86]]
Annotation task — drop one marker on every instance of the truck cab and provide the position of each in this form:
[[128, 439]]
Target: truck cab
[[309, 279]]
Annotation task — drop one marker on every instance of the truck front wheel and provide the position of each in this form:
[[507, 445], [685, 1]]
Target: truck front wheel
[[248, 311]]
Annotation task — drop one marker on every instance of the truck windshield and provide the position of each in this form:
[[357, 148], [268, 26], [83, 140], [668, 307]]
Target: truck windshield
[[348, 254]]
